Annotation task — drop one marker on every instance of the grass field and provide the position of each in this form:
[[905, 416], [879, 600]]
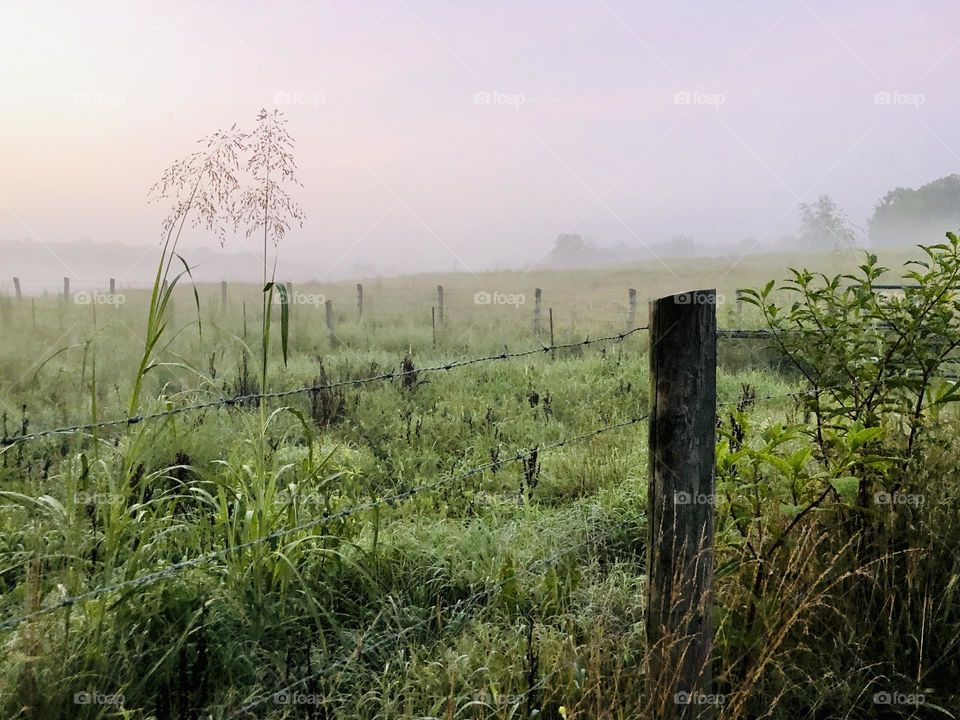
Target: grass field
[[510, 591]]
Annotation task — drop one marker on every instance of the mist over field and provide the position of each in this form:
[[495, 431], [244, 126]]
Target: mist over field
[[434, 138], [527, 360]]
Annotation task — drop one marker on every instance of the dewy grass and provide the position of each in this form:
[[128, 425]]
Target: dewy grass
[[441, 605]]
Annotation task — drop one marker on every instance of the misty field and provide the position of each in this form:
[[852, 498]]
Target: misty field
[[468, 541]]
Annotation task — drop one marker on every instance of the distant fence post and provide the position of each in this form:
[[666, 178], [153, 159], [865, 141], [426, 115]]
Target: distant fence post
[[550, 314], [537, 296], [66, 289], [360, 301], [433, 324], [328, 307], [680, 504], [440, 303], [16, 287], [223, 295], [632, 308], [113, 286]]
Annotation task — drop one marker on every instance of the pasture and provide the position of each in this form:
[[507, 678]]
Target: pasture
[[386, 530]]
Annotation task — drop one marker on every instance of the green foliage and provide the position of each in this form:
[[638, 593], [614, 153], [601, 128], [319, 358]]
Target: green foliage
[[826, 519], [906, 215]]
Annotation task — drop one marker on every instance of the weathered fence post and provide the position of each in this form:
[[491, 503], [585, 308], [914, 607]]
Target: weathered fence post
[[550, 313], [66, 289], [632, 308], [440, 303], [113, 286], [537, 296], [223, 296], [360, 301], [328, 306], [16, 287], [433, 323], [680, 505]]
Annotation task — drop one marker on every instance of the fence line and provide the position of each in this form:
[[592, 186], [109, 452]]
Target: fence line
[[8, 441], [242, 399], [175, 568]]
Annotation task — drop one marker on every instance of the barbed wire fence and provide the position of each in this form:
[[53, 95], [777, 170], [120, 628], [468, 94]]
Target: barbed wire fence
[[270, 539], [224, 402], [282, 695]]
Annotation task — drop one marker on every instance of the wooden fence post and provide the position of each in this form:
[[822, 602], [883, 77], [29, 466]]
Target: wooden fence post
[[113, 286], [680, 505], [537, 296], [739, 306], [328, 306], [66, 289], [550, 313], [360, 301], [16, 287], [440, 303], [433, 323], [632, 308], [223, 296]]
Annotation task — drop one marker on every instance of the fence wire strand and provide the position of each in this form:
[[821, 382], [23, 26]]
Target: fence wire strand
[[279, 394], [150, 578], [460, 606]]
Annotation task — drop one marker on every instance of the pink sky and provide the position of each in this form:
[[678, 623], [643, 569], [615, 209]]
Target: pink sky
[[587, 130]]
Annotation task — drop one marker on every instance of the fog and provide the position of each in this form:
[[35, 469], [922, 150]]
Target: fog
[[437, 136]]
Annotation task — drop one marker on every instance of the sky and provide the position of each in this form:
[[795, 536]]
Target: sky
[[456, 135]]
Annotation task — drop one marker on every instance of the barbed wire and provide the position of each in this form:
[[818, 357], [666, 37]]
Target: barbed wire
[[798, 393], [150, 578], [8, 441], [393, 636], [460, 606]]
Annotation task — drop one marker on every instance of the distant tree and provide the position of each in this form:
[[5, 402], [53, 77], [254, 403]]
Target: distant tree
[[906, 216], [823, 225], [571, 249]]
